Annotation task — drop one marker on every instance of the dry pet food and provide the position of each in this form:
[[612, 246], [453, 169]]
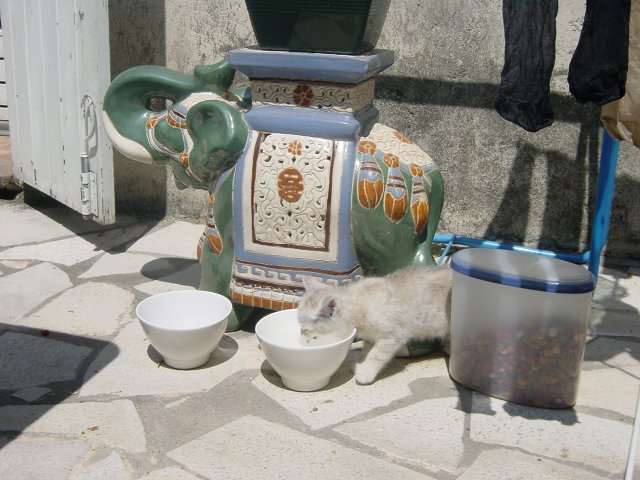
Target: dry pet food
[[531, 364]]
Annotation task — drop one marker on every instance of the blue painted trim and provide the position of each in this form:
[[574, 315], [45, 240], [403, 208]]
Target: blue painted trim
[[320, 67], [243, 160], [295, 274], [604, 199], [346, 249], [243, 255], [311, 122]]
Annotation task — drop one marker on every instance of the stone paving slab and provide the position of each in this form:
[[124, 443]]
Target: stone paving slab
[[30, 394], [604, 352], [501, 464], [170, 473], [617, 291], [178, 239], [34, 226], [184, 279], [24, 290], [343, 398], [611, 389], [113, 240], [115, 423], [67, 252], [32, 361], [40, 458], [429, 434], [564, 435], [251, 447], [124, 263], [111, 467], [92, 309], [14, 264], [614, 323], [135, 370]]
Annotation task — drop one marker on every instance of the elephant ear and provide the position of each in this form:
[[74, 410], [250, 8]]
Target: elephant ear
[[215, 78], [219, 134]]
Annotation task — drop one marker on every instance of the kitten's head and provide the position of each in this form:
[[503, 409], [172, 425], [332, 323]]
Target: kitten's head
[[317, 311]]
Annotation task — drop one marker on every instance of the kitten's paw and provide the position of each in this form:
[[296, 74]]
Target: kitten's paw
[[365, 376], [365, 380]]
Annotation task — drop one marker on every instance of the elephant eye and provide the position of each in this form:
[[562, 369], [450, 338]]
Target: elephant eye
[[158, 104]]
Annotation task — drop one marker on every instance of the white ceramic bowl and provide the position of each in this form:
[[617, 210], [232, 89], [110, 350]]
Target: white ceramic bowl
[[184, 326], [303, 366]]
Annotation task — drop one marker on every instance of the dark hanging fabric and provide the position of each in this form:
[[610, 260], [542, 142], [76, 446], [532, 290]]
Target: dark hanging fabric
[[598, 68], [529, 55], [622, 117]]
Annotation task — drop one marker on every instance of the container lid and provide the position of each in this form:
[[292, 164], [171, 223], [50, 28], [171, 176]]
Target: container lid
[[523, 270]]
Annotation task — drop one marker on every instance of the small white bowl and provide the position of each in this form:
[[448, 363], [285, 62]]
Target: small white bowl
[[184, 326], [303, 366]]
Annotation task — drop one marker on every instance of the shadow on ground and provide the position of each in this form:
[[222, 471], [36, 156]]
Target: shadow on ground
[[179, 271], [36, 362]]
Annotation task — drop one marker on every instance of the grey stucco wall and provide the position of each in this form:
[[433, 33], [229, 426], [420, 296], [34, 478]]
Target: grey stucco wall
[[501, 181], [137, 37]]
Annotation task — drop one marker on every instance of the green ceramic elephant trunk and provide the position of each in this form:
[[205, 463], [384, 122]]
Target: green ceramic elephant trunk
[[199, 135]]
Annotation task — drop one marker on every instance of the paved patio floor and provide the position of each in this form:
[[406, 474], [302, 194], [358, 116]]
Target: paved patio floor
[[83, 396]]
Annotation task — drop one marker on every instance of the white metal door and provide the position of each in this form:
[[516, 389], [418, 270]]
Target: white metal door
[[57, 61]]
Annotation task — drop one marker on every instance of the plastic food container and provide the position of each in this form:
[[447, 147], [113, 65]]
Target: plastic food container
[[518, 325]]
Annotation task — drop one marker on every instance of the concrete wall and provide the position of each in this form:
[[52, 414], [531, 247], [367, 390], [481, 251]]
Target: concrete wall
[[501, 181]]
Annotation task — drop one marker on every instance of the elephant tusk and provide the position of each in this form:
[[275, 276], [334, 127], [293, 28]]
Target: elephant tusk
[[127, 147]]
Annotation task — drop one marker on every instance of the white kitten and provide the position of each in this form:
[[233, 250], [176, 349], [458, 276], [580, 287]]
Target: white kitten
[[413, 303]]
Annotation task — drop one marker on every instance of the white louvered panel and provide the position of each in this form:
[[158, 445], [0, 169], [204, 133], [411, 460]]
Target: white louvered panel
[[57, 51]]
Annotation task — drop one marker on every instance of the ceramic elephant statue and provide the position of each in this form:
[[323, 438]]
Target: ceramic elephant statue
[[302, 180]]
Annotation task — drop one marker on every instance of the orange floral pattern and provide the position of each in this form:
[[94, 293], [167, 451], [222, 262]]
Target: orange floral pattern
[[294, 148], [302, 95], [415, 170], [367, 146], [391, 160], [401, 137], [152, 122]]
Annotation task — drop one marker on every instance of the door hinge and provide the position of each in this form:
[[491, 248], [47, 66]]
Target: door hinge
[[89, 194], [88, 179]]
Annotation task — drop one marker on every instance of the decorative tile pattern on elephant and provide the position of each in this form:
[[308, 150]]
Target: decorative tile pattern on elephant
[[294, 210], [387, 147], [291, 191], [325, 96]]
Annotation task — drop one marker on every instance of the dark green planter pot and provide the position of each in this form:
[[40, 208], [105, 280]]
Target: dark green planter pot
[[328, 26]]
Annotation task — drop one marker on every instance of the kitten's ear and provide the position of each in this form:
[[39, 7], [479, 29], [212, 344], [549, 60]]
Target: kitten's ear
[[328, 306], [312, 284]]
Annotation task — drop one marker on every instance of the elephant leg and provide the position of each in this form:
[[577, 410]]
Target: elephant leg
[[215, 277], [215, 249], [239, 317]]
